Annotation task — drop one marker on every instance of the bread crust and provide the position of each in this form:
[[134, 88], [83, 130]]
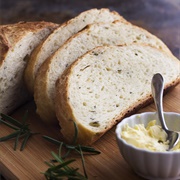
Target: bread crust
[[4, 47], [45, 105], [12, 33], [29, 75]]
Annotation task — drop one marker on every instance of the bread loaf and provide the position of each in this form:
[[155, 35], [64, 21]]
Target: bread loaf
[[96, 34], [16, 43], [105, 84], [60, 35]]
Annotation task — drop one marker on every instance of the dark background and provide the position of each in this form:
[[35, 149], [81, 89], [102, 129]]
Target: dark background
[[160, 17]]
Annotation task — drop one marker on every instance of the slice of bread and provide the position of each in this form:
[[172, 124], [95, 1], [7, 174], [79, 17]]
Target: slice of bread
[[16, 43], [60, 35], [97, 34], [107, 83]]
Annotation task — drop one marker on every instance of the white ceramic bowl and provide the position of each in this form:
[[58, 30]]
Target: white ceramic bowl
[[148, 164]]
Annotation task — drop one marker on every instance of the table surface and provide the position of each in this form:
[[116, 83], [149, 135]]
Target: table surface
[[29, 163], [160, 17]]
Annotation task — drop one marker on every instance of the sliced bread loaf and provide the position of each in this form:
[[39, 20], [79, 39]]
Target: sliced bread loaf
[[60, 35], [97, 34], [101, 87], [17, 42]]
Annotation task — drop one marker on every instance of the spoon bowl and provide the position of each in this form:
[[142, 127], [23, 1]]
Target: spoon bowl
[[157, 86], [173, 138]]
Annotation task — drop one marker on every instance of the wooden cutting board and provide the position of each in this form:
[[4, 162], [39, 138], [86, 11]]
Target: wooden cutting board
[[29, 164]]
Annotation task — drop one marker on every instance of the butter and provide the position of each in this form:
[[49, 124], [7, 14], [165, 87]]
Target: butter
[[152, 137]]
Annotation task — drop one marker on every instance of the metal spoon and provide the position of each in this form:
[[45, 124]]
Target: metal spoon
[[157, 86]]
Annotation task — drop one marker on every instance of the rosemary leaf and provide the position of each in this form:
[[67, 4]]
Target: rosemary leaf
[[54, 141], [25, 116], [60, 160], [70, 147], [62, 165], [75, 133], [83, 162], [11, 120], [25, 141], [66, 154], [49, 164], [8, 124], [17, 139], [60, 150], [10, 136], [90, 150], [23, 130]]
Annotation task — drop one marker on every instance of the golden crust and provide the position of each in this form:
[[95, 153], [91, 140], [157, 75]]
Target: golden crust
[[29, 76], [12, 33], [41, 97], [4, 47]]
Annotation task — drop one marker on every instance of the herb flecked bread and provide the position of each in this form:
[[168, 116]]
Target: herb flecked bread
[[105, 84], [60, 35], [97, 34], [16, 43]]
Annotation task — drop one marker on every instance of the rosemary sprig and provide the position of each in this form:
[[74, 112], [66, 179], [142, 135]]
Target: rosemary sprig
[[76, 148], [21, 130], [73, 146], [61, 170]]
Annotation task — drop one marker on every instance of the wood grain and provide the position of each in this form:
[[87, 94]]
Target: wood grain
[[29, 164]]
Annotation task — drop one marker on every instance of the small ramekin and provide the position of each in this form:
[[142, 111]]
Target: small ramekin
[[149, 164]]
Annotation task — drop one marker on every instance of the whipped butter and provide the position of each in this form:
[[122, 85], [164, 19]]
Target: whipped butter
[[152, 137]]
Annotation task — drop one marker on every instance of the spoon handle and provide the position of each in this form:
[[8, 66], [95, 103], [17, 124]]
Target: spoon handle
[[157, 86]]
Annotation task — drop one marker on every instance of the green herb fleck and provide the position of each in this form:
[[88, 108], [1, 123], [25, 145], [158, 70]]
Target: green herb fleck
[[94, 124]]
